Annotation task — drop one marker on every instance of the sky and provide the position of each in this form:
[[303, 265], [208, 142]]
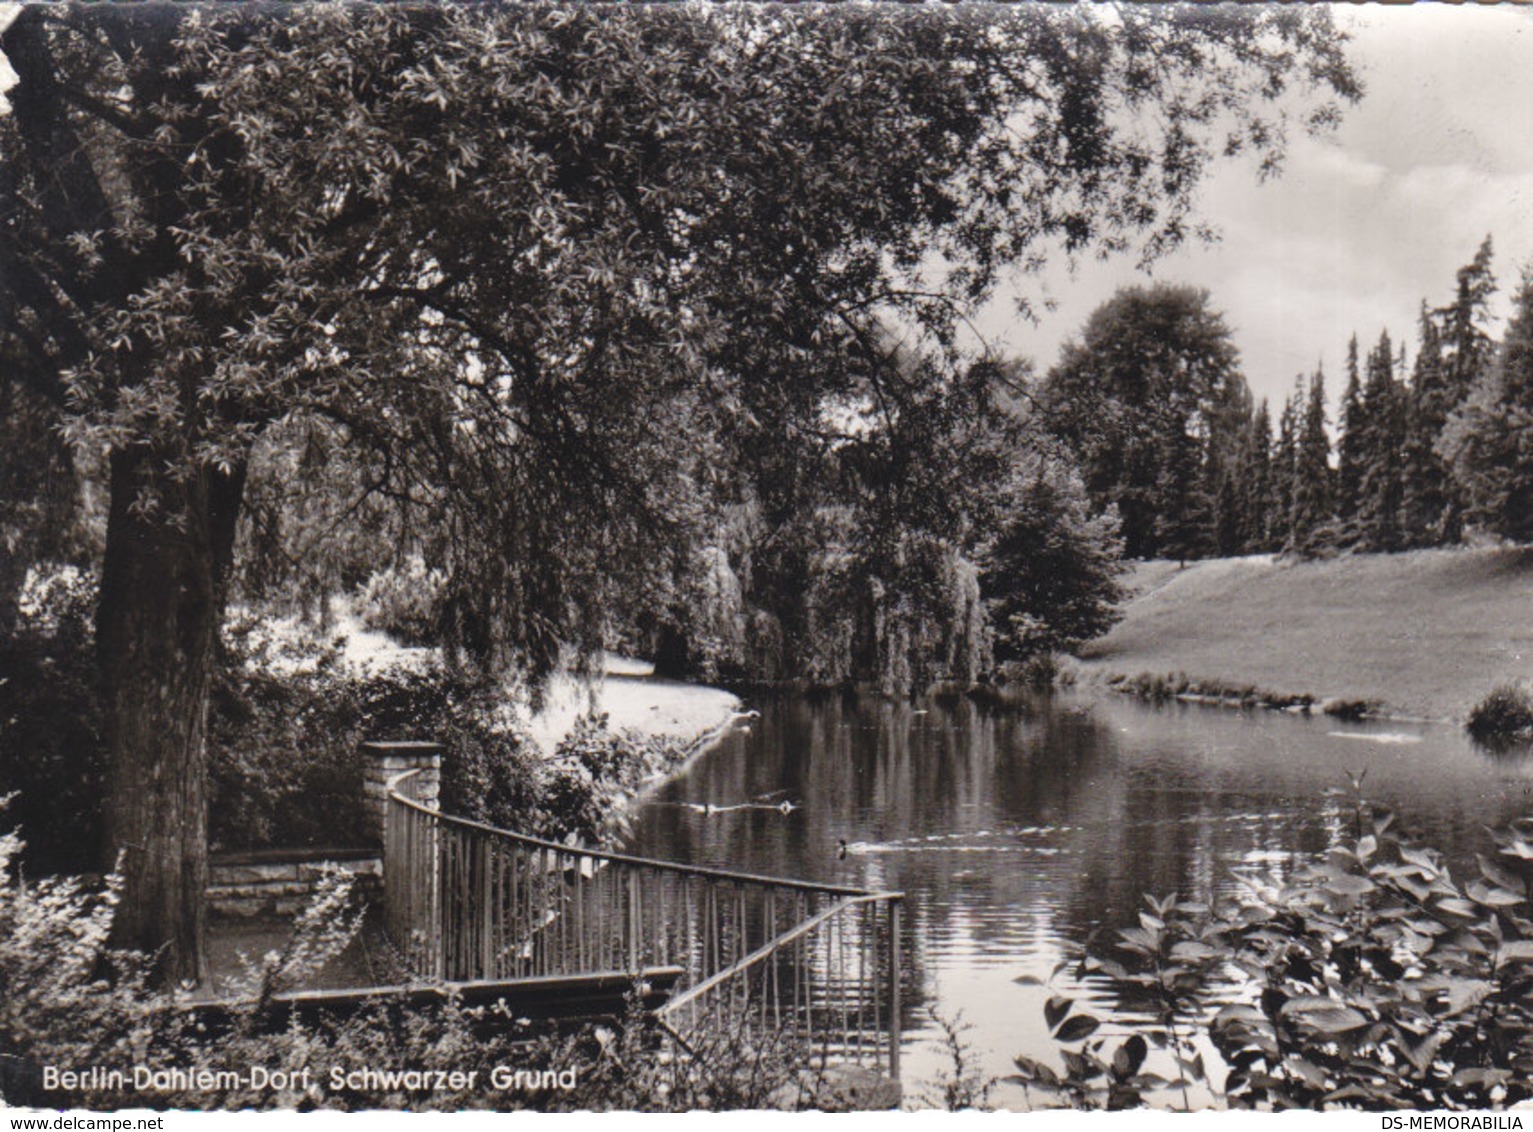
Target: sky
[[1366, 221]]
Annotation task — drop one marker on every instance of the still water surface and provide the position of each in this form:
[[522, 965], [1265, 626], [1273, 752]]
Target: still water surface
[[1010, 832]]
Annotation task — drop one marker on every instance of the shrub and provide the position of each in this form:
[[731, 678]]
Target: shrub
[[286, 731], [50, 722], [1505, 714], [286, 722], [54, 1009], [491, 770], [286, 772], [1372, 980], [283, 766], [405, 602], [1158, 688], [593, 771], [963, 1084], [1350, 709], [1041, 670]]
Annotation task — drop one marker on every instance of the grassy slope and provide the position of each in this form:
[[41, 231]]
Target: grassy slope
[[1427, 633]]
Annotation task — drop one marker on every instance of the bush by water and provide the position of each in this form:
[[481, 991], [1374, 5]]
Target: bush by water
[[1370, 979], [1505, 714]]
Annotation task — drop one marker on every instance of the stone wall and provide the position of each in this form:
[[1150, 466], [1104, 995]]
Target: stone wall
[[279, 882]]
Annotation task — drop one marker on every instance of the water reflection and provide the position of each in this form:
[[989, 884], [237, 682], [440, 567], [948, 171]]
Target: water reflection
[[1014, 832]]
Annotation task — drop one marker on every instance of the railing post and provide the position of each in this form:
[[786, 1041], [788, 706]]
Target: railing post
[[633, 921], [895, 962], [383, 762]]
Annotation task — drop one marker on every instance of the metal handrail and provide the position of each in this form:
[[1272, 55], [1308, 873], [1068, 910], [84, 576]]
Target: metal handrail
[[480, 901], [766, 950], [752, 988], [629, 859]]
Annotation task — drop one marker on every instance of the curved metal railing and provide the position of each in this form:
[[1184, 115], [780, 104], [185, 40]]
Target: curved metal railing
[[812, 963]]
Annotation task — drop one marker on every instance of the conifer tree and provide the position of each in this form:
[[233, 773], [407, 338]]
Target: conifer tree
[[1378, 516], [1284, 462], [1489, 439], [1184, 526], [1226, 424], [1350, 456], [1427, 496], [1256, 480], [1467, 347], [1220, 473], [1050, 574], [1467, 354], [1312, 529]]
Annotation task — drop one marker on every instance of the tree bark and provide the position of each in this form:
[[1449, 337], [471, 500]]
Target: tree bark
[[163, 590]]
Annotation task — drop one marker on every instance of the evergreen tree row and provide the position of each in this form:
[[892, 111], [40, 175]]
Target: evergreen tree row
[[1151, 402]]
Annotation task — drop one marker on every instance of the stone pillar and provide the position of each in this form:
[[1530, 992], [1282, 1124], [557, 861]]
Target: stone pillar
[[382, 761]]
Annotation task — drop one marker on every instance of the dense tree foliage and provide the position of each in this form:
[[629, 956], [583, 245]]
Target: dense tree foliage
[[1051, 572], [1490, 436], [1153, 376], [851, 559], [1417, 449], [524, 270]]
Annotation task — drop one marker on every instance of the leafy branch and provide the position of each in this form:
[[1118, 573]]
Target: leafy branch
[[1374, 980]]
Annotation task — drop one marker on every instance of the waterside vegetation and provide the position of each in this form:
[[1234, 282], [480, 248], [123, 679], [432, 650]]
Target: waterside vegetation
[[1370, 979], [1505, 715]]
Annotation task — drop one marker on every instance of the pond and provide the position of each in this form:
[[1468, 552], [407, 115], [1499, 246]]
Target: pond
[[1013, 831]]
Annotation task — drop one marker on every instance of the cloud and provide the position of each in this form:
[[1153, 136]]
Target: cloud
[[1365, 223], [1446, 85]]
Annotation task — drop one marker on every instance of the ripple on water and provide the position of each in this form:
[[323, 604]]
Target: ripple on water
[[1385, 737], [1016, 836]]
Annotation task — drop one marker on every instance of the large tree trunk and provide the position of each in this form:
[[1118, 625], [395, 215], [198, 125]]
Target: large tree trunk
[[163, 589]]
